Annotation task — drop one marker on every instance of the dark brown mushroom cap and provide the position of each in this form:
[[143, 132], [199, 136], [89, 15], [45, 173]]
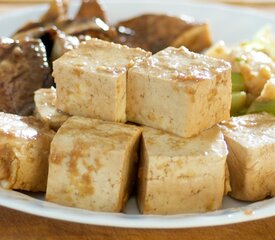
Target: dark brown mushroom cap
[[154, 32], [23, 69], [90, 9]]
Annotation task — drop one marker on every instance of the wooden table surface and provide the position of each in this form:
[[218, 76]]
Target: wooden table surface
[[17, 225]]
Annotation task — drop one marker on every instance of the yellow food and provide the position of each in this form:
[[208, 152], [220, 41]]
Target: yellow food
[[24, 149], [181, 175], [91, 80], [92, 164], [179, 92], [251, 144]]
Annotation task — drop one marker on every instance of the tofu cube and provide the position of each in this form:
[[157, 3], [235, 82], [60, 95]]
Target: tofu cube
[[251, 144], [91, 80], [180, 175], [92, 164], [179, 92], [45, 108], [24, 150]]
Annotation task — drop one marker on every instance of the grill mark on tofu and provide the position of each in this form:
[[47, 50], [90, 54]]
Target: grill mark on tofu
[[86, 188], [82, 181], [55, 157], [78, 71]]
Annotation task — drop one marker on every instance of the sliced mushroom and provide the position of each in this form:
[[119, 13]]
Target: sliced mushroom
[[154, 32], [57, 11], [46, 34], [90, 9], [94, 27], [23, 69], [196, 38]]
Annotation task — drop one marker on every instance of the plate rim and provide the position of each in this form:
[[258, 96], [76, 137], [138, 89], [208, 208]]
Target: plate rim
[[27, 204], [253, 211]]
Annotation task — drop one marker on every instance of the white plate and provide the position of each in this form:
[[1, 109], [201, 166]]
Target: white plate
[[227, 23]]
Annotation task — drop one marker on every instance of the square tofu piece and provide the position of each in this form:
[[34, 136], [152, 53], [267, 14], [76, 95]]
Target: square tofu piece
[[91, 80], [180, 175], [179, 92], [24, 150], [45, 108], [251, 159], [92, 164]]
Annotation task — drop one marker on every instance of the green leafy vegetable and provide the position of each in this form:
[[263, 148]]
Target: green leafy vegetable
[[238, 102], [262, 106], [237, 82]]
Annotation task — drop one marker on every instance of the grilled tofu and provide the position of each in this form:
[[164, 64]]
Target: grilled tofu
[[24, 150], [180, 175], [92, 164], [45, 109], [179, 92], [251, 143], [91, 80]]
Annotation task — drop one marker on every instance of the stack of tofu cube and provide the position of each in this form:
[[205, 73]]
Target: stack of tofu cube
[[173, 101], [123, 115]]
